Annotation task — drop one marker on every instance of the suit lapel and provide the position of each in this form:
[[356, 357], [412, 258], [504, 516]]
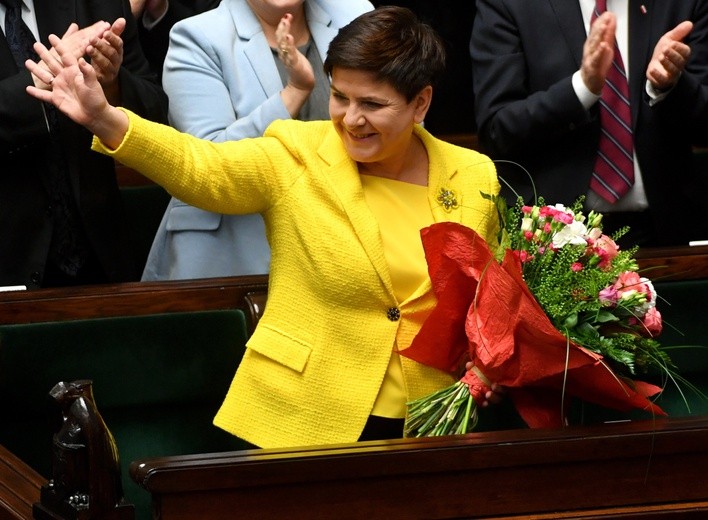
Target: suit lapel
[[570, 21]]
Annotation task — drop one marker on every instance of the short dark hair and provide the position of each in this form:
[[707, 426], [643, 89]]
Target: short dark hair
[[392, 44]]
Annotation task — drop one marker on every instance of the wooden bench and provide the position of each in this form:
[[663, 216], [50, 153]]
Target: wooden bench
[[629, 469], [161, 355]]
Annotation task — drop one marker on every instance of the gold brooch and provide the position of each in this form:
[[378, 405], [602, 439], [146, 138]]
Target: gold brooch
[[447, 199]]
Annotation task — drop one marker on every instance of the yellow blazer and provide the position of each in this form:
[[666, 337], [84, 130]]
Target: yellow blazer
[[314, 365]]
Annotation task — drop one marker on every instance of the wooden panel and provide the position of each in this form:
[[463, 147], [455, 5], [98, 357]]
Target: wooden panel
[[629, 470], [674, 263], [128, 299], [19, 487]]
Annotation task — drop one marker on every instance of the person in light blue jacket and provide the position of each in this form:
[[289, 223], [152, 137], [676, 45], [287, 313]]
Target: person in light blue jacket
[[229, 73]]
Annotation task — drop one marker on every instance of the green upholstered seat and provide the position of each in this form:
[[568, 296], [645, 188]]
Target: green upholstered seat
[[158, 381]]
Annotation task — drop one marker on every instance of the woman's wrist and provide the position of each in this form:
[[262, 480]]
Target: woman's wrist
[[110, 127], [294, 98]]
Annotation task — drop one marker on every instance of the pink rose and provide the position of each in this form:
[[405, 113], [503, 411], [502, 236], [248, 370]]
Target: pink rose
[[628, 281], [652, 322], [606, 249], [576, 267]]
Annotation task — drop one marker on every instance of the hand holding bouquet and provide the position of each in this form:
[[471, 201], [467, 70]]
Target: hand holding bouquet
[[562, 313]]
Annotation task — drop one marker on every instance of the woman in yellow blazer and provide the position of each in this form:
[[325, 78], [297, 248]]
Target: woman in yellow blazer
[[343, 202]]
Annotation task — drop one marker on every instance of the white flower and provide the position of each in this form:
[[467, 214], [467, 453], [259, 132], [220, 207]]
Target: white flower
[[526, 224], [573, 233]]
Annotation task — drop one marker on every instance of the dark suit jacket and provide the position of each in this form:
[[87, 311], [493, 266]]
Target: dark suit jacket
[[156, 40], [25, 223], [524, 53]]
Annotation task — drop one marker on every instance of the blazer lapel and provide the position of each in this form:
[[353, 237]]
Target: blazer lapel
[[320, 24], [249, 29], [570, 21], [343, 178]]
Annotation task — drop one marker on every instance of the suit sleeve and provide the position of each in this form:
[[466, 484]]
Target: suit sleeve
[[21, 116], [687, 104], [517, 104], [139, 87]]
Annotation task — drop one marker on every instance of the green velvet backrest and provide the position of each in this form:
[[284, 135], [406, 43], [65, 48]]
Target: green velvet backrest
[[684, 306], [158, 381]]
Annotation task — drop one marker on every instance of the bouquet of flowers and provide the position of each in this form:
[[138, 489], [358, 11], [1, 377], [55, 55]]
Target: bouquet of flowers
[[561, 312]]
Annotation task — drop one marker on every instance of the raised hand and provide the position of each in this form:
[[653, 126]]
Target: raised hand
[[598, 52], [106, 52], [670, 57], [75, 40], [301, 77], [75, 90]]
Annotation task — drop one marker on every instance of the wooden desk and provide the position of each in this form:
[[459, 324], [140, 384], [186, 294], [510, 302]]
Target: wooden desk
[[674, 263], [128, 299], [628, 470]]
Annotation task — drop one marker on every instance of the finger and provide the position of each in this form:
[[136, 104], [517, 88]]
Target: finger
[[118, 26], [41, 94], [87, 77], [679, 32], [51, 61], [113, 40], [73, 27], [283, 27], [42, 73], [287, 50]]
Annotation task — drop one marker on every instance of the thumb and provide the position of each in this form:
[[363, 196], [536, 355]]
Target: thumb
[[682, 30], [118, 26]]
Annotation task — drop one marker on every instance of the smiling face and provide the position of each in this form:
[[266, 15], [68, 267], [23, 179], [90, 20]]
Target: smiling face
[[374, 120]]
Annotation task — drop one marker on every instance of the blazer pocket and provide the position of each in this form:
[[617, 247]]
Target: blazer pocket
[[280, 347], [189, 218]]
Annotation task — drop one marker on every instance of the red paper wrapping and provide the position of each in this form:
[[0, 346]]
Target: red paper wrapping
[[486, 312]]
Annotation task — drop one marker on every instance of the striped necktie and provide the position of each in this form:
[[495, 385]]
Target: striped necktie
[[613, 173]]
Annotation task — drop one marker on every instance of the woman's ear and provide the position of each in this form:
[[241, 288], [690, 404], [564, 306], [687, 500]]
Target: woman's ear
[[422, 103]]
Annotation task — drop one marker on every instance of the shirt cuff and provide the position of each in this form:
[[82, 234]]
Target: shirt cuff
[[585, 96], [656, 96]]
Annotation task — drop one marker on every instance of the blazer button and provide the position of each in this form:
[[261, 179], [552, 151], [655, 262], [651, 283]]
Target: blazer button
[[393, 314], [35, 277]]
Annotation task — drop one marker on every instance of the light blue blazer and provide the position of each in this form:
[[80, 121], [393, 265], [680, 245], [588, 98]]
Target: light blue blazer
[[223, 85]]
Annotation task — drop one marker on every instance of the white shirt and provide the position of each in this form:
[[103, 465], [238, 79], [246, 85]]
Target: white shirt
[[635, 199]]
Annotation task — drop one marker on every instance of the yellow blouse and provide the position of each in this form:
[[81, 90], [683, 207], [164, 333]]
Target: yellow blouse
[[401, 210]]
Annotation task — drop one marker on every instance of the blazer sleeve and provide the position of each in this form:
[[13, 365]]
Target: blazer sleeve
[[513, 112], [201, 101]]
